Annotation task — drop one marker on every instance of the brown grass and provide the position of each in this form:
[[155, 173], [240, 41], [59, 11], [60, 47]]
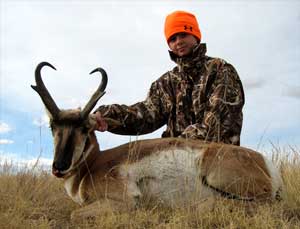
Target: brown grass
[[31, 199]]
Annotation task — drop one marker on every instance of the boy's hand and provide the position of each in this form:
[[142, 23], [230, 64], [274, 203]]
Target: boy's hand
[[101, 123]]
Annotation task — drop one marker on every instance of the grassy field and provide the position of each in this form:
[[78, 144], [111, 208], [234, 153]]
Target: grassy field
[[31, 199]]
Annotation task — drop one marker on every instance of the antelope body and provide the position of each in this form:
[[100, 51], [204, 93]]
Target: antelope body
[[168, 171]]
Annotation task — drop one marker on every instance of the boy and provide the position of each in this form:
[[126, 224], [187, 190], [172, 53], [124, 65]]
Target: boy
[[201, 98]]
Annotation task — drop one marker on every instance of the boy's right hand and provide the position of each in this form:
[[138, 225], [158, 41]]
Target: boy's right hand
[[101, 123]]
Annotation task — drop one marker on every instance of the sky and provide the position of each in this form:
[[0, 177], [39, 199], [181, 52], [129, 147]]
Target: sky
[[261, 39]]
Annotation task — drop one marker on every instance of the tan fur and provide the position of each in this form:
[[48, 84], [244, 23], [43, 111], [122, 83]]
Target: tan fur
[[232, 169], [236, 170]]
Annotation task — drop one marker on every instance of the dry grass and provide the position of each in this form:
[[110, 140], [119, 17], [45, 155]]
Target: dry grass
[[38, 200]]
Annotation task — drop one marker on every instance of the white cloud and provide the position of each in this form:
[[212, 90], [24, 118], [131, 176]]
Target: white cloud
[[252, 83], [126, 38], [6, 141], [17, 162], [38, 161], [42, 121], [4, 127], [292, 91]]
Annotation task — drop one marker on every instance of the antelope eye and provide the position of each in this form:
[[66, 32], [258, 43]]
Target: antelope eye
[[84, 129], [52, 127]]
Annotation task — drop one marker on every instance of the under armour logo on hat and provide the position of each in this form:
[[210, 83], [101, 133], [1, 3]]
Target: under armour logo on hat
[[190, 28]]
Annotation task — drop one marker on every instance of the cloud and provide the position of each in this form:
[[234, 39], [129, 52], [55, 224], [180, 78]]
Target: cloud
[[6, 141], [43, 121], [127, 40], [38, 161], [4, 127], [292, 91], [17, 162], [254, 83]]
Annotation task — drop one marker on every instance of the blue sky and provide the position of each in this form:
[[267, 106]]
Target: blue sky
[[260, 38]]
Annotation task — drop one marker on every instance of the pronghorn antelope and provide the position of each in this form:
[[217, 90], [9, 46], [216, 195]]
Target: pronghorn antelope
[[169, 171]]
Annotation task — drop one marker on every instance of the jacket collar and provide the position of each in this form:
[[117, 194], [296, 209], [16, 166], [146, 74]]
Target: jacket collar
[[195, 59]]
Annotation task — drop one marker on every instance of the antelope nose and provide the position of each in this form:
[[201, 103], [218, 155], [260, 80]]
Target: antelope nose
[[60, 166]]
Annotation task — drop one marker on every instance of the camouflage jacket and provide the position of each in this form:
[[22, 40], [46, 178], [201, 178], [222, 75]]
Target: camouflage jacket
[[201, 98]]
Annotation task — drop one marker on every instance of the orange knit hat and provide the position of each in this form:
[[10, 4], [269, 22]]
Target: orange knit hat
[[181, 21]]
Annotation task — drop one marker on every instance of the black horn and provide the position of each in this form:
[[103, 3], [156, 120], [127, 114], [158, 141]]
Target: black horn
[[97, 94], [43, 92]]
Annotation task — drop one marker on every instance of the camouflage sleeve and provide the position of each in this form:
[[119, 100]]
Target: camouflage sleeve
[[140, 118], [222, 119]]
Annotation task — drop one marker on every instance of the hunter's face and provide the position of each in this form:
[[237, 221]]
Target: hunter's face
[[182, 44]]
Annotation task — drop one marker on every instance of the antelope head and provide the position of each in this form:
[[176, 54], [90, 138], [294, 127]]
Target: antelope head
[[72, 130]]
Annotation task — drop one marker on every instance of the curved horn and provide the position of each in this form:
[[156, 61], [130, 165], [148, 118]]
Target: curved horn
[[97, 94], [43, 92]]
